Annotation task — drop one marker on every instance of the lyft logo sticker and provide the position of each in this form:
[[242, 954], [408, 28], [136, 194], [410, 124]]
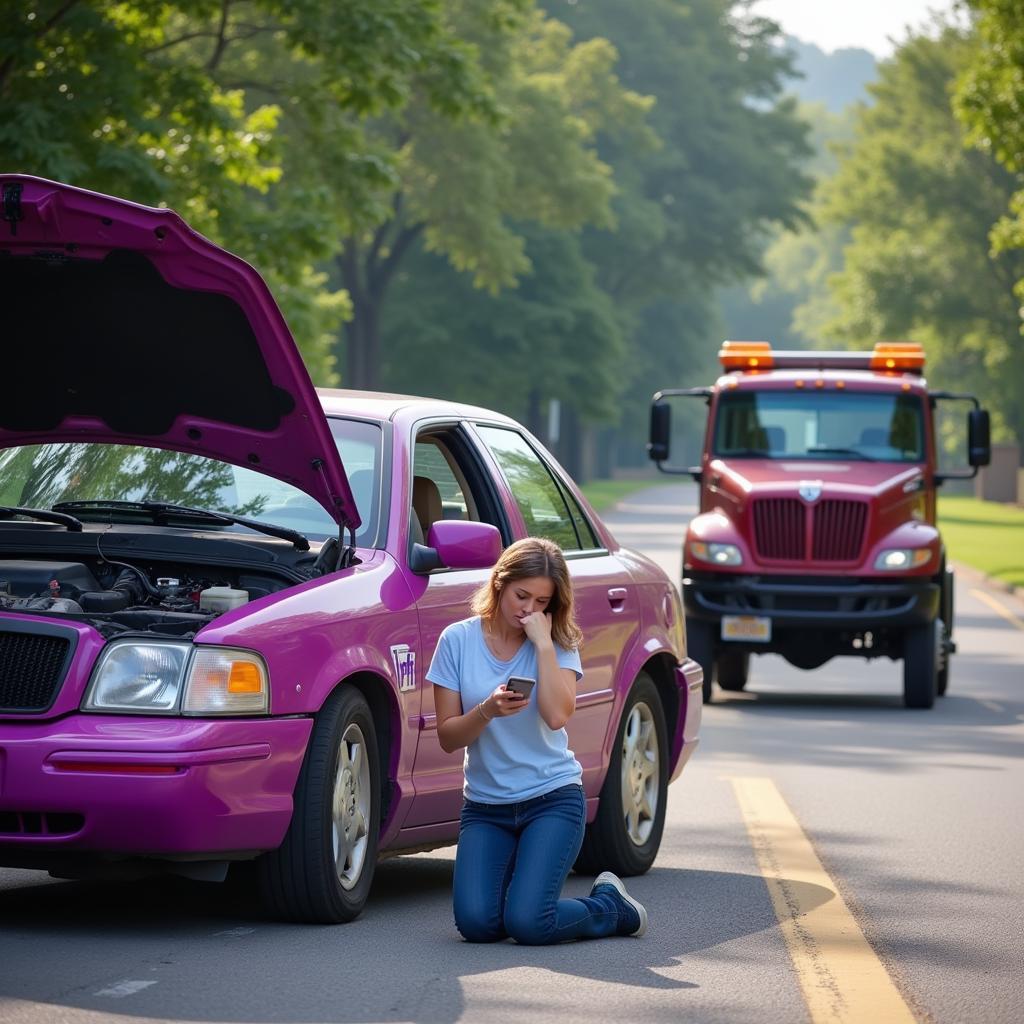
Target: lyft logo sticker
[[404, 661]]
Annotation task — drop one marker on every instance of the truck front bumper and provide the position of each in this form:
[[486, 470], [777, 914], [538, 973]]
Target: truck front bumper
[[114, 787], [825, 603]]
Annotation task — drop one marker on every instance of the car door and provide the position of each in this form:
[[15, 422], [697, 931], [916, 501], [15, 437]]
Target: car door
[[450, 480], [606, 600]]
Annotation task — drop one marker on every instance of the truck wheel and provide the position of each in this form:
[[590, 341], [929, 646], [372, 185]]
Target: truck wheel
[[942, 677], [323, 869], [921, 664], [947, 634], [733, 668], [626, 834], [700, 645]]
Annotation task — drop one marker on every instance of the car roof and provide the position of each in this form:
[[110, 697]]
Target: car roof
[[382, 405]]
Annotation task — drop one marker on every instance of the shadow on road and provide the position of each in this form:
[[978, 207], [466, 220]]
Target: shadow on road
[[215, 959]]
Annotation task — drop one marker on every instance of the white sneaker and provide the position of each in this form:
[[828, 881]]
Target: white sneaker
[[608, 878]]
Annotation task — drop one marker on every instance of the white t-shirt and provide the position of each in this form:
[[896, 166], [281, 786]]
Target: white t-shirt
[[514, 758]]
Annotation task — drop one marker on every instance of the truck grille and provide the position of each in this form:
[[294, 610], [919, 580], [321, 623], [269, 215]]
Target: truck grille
[[837, 530], [779, 530], [32, 667]]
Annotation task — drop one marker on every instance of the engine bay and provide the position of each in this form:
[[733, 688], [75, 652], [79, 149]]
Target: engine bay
[[116, 596]]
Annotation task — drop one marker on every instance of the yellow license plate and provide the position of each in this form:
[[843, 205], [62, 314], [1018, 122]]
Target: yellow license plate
[[752, 628]]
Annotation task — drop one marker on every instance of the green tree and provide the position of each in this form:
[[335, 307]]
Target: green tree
[[988, 104], [920, 205], [555, 335], [695, 213], [466, 188], [217, 107]]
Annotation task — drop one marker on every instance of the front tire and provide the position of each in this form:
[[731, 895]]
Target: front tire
[[323, 870], [733, 670], [921, 664], [626, 834]]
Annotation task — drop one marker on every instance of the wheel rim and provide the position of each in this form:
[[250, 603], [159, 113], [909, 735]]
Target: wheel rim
[[350, 808], [640, 773]]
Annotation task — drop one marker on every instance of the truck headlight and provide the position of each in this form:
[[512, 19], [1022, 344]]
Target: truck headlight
[[166, 678], [143, 677], [716, 554], [903, 558]]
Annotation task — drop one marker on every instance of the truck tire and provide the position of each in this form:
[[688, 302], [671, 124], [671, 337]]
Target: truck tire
[[322, 871], [921, 664], [626, 834], [700, 645], [946, 613], [732, 669]]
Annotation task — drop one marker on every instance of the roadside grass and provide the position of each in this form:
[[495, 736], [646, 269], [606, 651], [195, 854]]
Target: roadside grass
[[602, 494], [986, 535]]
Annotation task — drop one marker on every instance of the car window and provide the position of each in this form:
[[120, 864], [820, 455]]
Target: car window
[[39, 476], [539, 498]]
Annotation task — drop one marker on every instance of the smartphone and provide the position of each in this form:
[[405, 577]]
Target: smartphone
[[520, 684]]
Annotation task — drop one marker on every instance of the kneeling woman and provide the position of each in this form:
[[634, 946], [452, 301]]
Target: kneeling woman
[[524, 811]]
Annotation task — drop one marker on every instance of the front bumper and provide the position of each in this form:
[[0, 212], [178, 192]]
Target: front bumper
[[119, 786], [826, 603]]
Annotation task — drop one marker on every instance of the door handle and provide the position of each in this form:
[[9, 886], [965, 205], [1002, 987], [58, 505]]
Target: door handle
[[617, 598]]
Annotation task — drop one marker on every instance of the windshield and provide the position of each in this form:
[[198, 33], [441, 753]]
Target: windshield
[[817, 424], [41, 475]]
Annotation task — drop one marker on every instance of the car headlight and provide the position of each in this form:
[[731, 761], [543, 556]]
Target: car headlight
[[178, 679], [222, 681], [903, 558], [144, 677], [717, 554]]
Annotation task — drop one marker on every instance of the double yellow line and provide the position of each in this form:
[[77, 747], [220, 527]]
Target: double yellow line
[[841, 977]]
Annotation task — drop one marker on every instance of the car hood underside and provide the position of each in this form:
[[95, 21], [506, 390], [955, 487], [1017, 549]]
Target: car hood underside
[[123, 325]]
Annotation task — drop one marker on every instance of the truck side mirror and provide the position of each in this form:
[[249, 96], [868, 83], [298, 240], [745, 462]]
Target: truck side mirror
[[661, 429], [979, 447], [659, 445]]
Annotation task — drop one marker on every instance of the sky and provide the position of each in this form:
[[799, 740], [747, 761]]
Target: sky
[[835, 24]]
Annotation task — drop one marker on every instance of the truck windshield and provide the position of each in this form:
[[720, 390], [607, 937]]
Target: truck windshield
[[820, 424], [42, 475]]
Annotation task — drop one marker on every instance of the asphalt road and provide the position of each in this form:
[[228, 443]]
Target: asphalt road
[[913, 819]]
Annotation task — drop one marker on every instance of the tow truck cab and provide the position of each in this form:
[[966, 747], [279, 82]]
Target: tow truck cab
[[816, 534]]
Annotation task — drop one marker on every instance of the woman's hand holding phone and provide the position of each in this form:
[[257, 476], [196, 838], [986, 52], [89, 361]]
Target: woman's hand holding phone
[[504, 702]]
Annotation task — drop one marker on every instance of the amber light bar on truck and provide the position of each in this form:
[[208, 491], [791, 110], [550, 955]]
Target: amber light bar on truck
[[887, 356]]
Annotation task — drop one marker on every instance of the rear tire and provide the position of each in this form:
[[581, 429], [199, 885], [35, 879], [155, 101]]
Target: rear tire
[[700, 645], [733, 670], [921, 664], [323, 870], [626, 834]]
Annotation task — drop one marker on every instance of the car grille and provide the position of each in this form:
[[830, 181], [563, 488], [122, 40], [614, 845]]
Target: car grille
[[32, 667], [837, 532], [39, 823]]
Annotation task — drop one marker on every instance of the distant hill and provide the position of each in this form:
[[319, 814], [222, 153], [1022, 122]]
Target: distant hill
[[836, 79]]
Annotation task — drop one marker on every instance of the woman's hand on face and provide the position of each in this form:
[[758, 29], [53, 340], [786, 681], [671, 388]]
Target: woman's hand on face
[[503, 703], [537, 626]]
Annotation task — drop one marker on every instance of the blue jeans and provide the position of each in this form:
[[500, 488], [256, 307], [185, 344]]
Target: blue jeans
[[510, 865]]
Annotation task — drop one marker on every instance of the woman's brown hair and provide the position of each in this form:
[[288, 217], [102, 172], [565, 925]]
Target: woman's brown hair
[[534, 556]]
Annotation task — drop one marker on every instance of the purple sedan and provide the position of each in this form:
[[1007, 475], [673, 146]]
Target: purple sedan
[[220, 588]]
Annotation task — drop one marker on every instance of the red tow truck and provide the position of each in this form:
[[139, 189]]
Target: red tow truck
[[816, 534]]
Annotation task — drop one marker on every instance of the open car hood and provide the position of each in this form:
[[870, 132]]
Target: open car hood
[[123, 325]]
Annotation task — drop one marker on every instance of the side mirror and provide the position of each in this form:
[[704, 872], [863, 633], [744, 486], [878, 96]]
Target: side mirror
[[661, 431], [457, 544], [659, 445], [979, 447]]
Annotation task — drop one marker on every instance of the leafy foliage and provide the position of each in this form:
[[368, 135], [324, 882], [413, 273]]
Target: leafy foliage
[[244, 117], [919, 205]]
